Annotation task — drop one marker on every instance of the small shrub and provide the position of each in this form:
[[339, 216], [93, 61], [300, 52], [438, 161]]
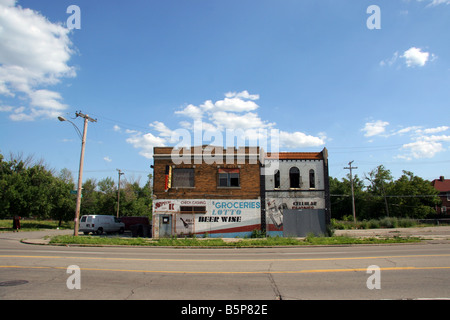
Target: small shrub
[[389, 222], [406, 223], [374, 224], [258, 234]]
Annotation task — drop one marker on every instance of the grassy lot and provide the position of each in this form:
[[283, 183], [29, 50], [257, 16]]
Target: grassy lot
[[386, 222], [211, 242], [34, 225]]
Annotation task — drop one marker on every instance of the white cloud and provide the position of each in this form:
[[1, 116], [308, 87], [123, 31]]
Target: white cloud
[[234, 102], [390, 61], [235, 105], [374, 128], [299, 140], [423, 149], [233, 112], [407, 130], [191, 111], [48, 100], [415, 57], [6, 108], [244, 95], [433, 3], [423, 143], [107, 159], [233, 117], [425, 146], [33, 53], [162, 129], [436, 130], [232, 121], [146, 143], [129, 131]]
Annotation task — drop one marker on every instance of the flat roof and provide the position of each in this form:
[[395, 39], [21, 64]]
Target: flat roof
[[295, 156]]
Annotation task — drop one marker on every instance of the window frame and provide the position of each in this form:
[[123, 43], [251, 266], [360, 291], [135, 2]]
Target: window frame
[[312, 179], [291, 175], [226, 175], [193, 209], [191, 177], [277, 180]]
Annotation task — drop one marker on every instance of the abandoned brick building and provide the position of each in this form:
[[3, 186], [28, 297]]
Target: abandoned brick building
[[222, 191]]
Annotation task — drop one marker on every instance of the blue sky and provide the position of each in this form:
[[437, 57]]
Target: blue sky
[[310, 69]]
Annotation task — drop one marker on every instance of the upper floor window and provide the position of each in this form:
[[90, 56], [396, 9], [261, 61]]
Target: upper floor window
[[182, 178], [312, 179], [276, 180], [229, 178], [294, 178]]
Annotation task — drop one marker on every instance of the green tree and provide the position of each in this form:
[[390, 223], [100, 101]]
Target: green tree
[[32, 190], [13, 185], [136, 200], [380, 185], [89, 201], [63, 201], [414, 197], [107, 197]]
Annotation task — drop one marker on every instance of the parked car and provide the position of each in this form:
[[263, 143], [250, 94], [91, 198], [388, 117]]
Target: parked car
[[101, 223]]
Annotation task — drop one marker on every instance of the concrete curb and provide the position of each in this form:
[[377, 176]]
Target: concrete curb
[[429, 234]]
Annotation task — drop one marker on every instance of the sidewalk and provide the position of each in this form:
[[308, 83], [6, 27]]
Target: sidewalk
[[34, 237], [427, 233]]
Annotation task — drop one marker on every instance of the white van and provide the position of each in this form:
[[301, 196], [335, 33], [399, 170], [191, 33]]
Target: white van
[[100, 223]]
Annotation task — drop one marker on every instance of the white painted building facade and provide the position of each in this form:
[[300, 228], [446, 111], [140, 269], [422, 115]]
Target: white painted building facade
[[300, 181]]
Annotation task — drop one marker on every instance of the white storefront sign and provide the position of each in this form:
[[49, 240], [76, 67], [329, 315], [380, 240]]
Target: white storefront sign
[[218, 218]]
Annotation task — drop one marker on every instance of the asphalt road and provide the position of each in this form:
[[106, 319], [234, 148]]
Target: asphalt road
[[407, 271]]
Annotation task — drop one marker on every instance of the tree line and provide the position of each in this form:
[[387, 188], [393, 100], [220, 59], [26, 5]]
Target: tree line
[[378, 195], [29, 188]]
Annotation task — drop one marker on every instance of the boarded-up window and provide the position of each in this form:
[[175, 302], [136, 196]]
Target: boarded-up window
[[193, 209], [183, 178]]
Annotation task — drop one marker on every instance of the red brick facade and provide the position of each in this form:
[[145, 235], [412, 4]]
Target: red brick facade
[[244, 161]]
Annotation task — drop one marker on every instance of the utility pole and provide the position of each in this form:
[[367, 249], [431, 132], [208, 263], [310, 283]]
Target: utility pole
[[80, 171], [353, 193], [118, 192], [385, 199]]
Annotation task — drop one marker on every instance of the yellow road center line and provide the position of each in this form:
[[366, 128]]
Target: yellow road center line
[[234, 272], [225, 260]]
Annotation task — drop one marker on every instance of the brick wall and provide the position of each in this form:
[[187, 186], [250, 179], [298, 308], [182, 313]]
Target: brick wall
[[206, 174]]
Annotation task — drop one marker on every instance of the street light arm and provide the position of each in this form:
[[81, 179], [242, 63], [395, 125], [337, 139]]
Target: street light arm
[[62, 119]]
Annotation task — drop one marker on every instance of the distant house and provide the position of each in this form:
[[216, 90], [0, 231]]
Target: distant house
[[443, 186]]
